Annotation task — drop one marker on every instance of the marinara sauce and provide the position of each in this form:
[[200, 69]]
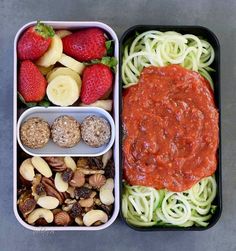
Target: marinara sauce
[[171, 132]]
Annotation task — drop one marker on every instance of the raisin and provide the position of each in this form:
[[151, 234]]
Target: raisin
[[82, 192], [76, 210], [106, 209], [40, 189], [95, 163], [67, 175], [110, 170]]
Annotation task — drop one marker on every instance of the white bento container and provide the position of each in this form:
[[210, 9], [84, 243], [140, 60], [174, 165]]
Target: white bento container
[[49, 114], [72, 26]]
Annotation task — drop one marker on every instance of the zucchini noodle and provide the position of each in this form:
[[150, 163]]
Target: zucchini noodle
[[146, 206], [163, 48]]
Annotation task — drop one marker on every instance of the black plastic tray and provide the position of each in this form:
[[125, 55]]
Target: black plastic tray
[[212, 39]]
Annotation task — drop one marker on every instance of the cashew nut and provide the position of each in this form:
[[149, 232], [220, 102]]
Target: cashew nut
[[48, 202], [70, 163], [106, 157], [60, 184], [93, 216], [106, 192], [41, 166], [27, 170], [40, 213]]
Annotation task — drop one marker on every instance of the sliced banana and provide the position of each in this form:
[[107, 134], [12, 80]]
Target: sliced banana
[[63, 33], [53, 54], [63, 90], [64, 71], [71, 63], [45, 70]]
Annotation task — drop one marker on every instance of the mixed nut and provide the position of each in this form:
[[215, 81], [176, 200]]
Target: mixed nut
[[66, 191]]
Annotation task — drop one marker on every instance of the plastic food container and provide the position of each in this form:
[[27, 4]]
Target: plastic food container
[[212, 39], [79, 113]]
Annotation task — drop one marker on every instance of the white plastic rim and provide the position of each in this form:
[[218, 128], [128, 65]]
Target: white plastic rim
[[49, 114], [72, 26]]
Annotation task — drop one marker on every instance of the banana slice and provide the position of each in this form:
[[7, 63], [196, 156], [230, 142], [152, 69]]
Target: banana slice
[[63, 33], [71, 63], [63, 90], [64, 71], [53, 54], [45, 70]]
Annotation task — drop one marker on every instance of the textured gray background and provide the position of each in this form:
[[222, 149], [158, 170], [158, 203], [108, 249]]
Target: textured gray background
[[220, 16]]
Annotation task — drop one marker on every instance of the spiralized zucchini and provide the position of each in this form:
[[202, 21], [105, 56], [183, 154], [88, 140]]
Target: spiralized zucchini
[[164, 48], [146, 206]]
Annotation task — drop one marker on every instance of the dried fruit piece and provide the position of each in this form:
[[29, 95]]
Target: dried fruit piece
[[110, 169], [62, 218], [26, 203], [76, 210], [27, 170], [78, 179], [95, 163], [67, 175], [42, 166], [82, 192], [97, 180], [83, 163]]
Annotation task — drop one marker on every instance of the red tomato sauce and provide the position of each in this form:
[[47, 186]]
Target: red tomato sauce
[[171, 129]]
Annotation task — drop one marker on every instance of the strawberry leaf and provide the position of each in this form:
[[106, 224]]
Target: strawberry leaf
[[110, 47], [110, 61], [44, 103], [44, 30], [28, 104]]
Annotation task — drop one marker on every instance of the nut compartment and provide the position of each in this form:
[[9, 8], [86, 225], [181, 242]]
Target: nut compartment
[[16, 157]]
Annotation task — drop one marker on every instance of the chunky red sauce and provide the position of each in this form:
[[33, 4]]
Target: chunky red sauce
[[171, 129]]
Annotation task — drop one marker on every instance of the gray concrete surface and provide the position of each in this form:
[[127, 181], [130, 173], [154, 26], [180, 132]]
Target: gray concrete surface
[[220, 16]]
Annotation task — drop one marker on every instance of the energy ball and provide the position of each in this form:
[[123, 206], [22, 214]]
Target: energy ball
[[35, 133], [65, 131], [95, 131]]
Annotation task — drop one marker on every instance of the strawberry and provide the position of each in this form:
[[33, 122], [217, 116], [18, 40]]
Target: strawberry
[[32, 84], [34, 42], [96, 83], [86, 44]]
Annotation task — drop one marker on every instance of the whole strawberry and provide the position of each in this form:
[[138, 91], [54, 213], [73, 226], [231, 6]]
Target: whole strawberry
[[86, 44], [34, 42], [31, 84], [96, 83]]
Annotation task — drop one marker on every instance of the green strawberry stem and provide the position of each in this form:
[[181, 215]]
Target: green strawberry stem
[[44, 30], [109, 61], [45, 102]]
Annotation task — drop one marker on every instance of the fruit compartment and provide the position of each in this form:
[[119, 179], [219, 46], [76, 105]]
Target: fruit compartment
[[211, 38], [79, 113], [19, 155]]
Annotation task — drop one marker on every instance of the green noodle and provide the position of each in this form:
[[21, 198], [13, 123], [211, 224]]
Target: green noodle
[[146, 206], [164, 48]]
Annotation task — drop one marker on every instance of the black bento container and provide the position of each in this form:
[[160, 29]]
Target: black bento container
[[212, 39]]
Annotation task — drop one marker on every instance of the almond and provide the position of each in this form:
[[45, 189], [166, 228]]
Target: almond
[[60, 184], [48, 202], [70, 163], [78, 179], [41, 166], [27, 170]]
